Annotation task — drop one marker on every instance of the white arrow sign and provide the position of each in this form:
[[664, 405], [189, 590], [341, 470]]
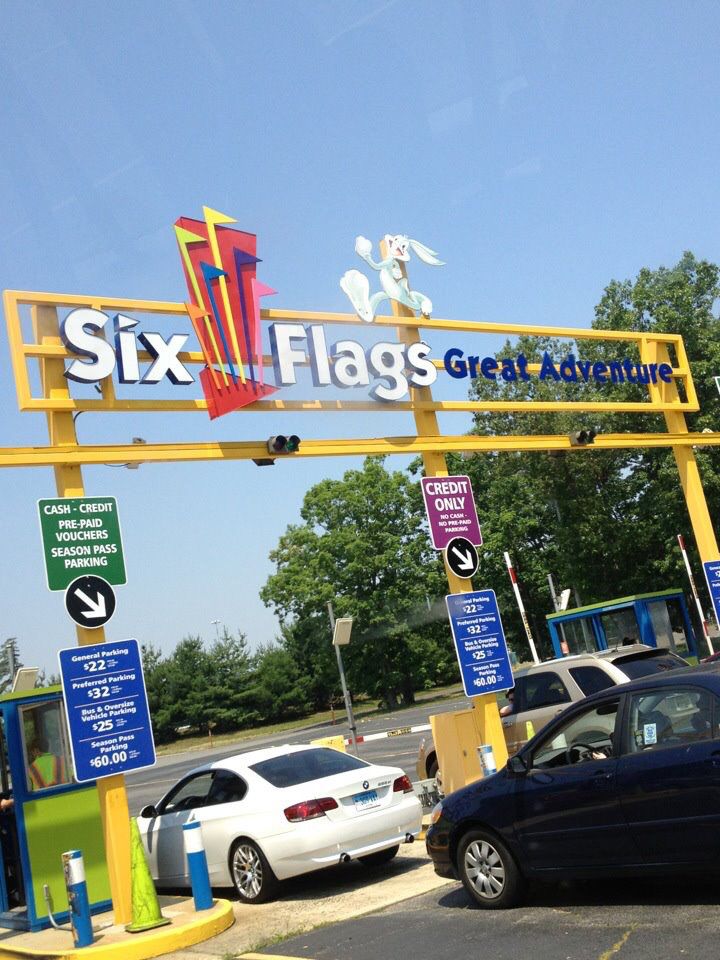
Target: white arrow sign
[[465, 559], [462, 557], [96, 608]]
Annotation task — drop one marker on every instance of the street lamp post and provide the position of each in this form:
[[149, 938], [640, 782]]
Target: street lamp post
[[217, 632], [341, 638]]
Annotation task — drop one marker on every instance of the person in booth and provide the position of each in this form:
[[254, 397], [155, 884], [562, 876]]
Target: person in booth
[[46, 769]]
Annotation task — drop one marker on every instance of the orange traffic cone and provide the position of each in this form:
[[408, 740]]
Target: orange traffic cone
[[145, 907]]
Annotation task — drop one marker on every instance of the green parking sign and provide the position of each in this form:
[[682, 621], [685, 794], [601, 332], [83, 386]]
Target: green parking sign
[[81, 535]]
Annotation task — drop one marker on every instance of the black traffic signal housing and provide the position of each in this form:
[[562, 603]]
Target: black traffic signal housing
[[281, 444], [581, 438], [278, 447]]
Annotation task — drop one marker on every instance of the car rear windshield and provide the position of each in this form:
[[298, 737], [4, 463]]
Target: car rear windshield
[[636, 665], [305, 765]]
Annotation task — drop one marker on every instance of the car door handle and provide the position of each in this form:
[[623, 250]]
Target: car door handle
[[601, 776], [714, 758]]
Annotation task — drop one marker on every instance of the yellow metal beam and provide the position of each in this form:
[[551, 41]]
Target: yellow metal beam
[[115, 405], [190, 357], [15, 298], [685, 458], [89, 454]]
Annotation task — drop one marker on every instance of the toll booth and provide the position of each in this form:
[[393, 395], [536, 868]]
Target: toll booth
[[50, 813], [656, 619]]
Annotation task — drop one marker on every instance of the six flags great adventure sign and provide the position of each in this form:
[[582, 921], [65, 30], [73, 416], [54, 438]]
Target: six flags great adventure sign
[[219, 264]]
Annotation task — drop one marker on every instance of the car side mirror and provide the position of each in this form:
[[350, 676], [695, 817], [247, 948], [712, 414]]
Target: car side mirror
[[148, 811], [517, 764]]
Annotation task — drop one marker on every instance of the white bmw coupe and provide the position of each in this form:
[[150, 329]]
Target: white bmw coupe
[[271, 814]]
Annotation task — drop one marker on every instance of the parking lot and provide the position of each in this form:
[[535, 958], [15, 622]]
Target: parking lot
[[404, 911], [590, 921]]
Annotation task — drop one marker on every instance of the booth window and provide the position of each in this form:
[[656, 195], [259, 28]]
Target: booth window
[[621, 627], [45, 743], [669, 625], [578, 635]]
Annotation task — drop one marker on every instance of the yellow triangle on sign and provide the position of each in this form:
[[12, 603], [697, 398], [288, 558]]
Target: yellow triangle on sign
[[214, 216], [187, 236]]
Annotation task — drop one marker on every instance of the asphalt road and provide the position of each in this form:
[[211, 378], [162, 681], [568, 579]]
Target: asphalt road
[[148, 786], [655, 919]]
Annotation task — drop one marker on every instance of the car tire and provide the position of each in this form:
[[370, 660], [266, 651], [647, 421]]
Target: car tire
[[381, 857], [251, 874], [432, 766], [488, 871]]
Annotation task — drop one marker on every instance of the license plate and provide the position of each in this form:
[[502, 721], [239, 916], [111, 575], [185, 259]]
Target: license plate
[[367, 800]]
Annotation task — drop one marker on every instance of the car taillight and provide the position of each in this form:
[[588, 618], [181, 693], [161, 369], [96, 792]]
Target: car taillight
[[402, 784], [309, 809]]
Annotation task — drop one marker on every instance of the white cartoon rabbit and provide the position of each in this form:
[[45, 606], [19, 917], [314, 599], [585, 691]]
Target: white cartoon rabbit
[[394, 285]]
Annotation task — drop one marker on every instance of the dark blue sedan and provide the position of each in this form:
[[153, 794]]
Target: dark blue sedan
[[624, 782]]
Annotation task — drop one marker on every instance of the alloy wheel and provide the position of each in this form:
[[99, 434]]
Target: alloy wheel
[[484, 869], [247, 871]]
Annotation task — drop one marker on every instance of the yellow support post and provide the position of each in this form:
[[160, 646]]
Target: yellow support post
[[68, 480], [684, 454], [487, 716]]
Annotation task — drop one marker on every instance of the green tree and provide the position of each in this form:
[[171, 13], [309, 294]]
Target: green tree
[[195, 687], [363, 545], [280, 690], [9, 663]]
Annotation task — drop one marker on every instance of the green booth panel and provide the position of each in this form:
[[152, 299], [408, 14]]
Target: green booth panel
[[54, 824]]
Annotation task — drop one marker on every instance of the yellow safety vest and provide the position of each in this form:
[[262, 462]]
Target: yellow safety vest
[[47, 770]]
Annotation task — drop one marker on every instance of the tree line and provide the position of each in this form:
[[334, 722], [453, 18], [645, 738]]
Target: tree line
[[223, 687]]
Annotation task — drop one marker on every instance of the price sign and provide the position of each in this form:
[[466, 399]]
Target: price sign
[[479, 642], [107, 709]]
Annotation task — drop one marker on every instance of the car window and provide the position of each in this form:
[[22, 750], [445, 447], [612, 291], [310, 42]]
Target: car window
[[586, 736], [591, 679], [539, 690], [189, 794], [305, 765], [226, 787], [670, 717], [643, 664]]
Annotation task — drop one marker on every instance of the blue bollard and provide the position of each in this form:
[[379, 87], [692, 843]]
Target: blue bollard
[[197, 865], [74, 870]]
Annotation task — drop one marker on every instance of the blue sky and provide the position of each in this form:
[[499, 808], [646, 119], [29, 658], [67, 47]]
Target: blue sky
[[542, 149]]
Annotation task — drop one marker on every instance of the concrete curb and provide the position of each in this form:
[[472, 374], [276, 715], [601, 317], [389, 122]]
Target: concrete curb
[[114, 943]]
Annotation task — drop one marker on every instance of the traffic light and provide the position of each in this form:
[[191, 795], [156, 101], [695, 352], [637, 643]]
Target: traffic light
[[581, 438], [281, 444]]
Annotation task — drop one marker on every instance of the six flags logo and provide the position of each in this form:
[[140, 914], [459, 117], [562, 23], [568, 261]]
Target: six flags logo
[[224, 309], [219, 265]]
